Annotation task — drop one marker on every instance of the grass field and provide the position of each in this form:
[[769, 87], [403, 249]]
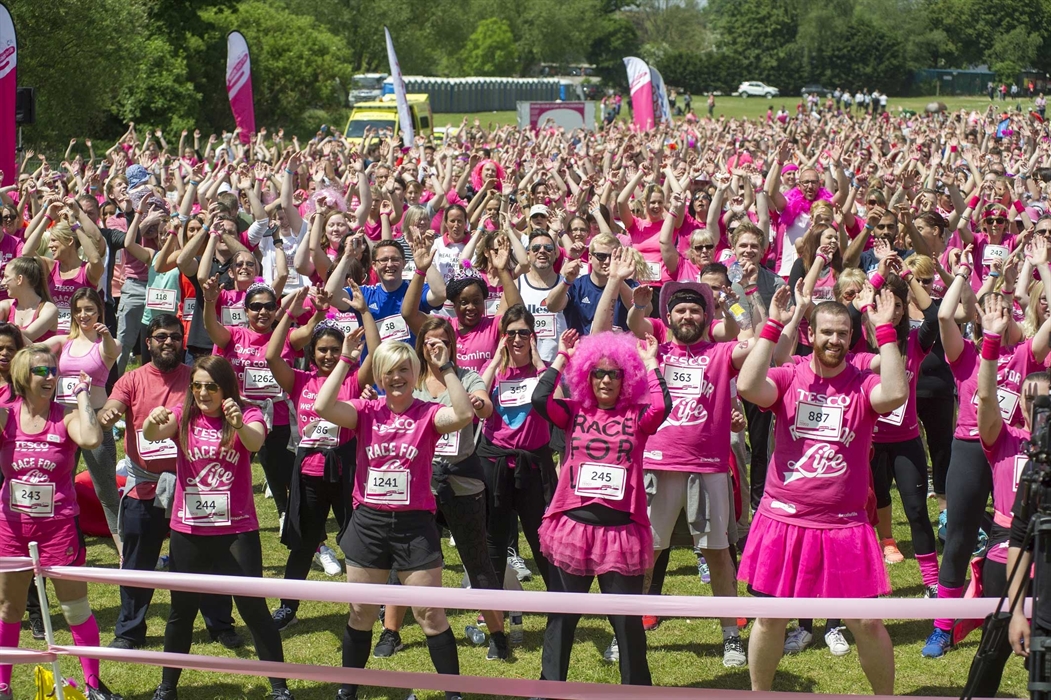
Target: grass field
[[682, 652]]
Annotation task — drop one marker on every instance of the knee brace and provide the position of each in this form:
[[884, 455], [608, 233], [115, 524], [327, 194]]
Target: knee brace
[[76, 612]]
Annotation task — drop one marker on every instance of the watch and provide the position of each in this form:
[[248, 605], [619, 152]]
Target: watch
[[447, 366]]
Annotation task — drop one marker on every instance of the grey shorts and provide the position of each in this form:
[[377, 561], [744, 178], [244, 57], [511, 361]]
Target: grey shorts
[[706, 499]]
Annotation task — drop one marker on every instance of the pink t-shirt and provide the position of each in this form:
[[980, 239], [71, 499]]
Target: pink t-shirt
[[230, 308], [695, 437], [646, 238], [395, 451], [1012, 367], [62, 289], [476, 347], [819, 475], [213, 487], [316, 433], [38, 468], [246, 351], [901, 424], [514, 424], [1007, 459]]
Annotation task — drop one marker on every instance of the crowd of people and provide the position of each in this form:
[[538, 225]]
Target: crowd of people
[[580, 337]]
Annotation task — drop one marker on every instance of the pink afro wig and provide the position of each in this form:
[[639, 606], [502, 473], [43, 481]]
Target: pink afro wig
[[618, 348], [476, 174], [332, 195]]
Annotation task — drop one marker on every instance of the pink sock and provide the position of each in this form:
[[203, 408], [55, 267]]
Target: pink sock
[[9, 632], [928, 568], [86, 634], [947, 592]]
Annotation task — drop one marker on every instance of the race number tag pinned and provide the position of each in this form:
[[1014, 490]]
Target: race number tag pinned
[[160, 299], [992, 253], [188, 307], [448, 445], [684, 381], [151, 450], [260, 383], [206, 508], [387, 486], [896, 416], [393, 328], [544, 326], [516, 393], [601, 481], [35, 500], [818, 421], [64, 390], [491, 306], [654, 269], [321, 433], [235, 316], [65, 317]]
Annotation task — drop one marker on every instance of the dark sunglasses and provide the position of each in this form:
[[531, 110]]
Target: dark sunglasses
[[244, 263], [262, 305], [8, 219], [537, 247], [602, 257], [520, 332], [1043, 231], [873, 203], [165, 337], [995, 220], [703, 247], [925, 280], [210, 387], [601, 374], [42, 371]]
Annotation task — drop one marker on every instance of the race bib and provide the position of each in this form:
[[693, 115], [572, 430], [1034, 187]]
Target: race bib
[[992, 253], [205, 508], [235, 316], [321, 433], [161, 299], [64, 390], [388, 486], [896, 416], [36, 500], [654, 269], [516, 393], [393, 328], [1007, 399], [1020, 462], [448, 445], [818, 420], [347, 325], [188, 307], [65, 317], [544, 325], [684, 381], [151, 450], [491, 305], [409, 270], [260, 383], [601, 481]]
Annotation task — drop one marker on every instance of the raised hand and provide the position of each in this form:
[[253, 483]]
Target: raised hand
[[621, 264], [884, 308], [647, 348], [642, 295], [567, 342], [352, 343], [233, 414], [996, 316], [780, 310]]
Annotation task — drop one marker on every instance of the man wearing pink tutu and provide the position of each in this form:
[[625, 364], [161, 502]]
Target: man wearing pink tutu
[[811, 536]]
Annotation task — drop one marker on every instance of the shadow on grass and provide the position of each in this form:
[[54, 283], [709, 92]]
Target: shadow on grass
[[908, 631]]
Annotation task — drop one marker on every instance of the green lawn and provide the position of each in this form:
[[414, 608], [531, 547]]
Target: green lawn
[[682, 652]]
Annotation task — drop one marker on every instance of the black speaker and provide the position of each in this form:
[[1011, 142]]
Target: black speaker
[[25, 105]]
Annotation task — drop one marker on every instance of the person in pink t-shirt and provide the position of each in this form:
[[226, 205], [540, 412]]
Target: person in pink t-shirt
[[214, 524], [645, 232], [811, 537], [393, 526], [597, 525]]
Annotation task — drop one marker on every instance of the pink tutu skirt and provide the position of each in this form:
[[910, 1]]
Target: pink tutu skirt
[[590, 550], [789, 561]]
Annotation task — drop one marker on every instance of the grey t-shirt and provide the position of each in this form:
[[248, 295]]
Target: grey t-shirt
[[472, 381]]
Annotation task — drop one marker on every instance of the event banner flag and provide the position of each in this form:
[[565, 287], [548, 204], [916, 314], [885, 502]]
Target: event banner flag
[[641, 92], [660, 96], [239, 84], [8, 83], [404, 115]]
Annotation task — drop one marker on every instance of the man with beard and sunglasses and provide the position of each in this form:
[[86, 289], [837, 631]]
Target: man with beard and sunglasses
[[812, 535], [687, 461], [144, 510]]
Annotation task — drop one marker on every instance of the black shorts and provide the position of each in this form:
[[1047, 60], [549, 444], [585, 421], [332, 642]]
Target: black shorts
[[401, 540]]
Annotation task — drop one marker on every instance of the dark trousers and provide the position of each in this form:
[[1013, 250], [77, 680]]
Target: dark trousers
[[631, 638], [145, 528], [966, 492], [936, 414], [528, 502], [905, 463], [318, 498], [759, 423], [277, 462]]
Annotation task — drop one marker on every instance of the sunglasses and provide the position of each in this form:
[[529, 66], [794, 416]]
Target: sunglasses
[[165, 337], [262, 305], [210, 387], [703, 247], [547, 247], [8, 219], [43, 371], [602, 257], [519, 332], [995, 220], [925, 280], [1043, 231], [811, 183], [389, 261], [244, 263], [601, 374], [872, 203]]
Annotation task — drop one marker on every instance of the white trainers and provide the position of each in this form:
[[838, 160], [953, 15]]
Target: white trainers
[[837, 643], [518, 564], [734, 655], [797, 640], [326, 559]]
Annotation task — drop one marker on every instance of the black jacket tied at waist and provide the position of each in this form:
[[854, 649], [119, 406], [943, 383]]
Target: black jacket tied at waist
[[529, 464], [339, 463]]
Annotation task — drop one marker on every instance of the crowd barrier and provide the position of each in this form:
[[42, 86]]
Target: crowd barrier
[[467, 599]]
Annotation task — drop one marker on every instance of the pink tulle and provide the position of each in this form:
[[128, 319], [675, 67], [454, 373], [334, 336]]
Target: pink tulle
[[590, 550], [796, 203], [476, 174], [790, 561], [335, 199]]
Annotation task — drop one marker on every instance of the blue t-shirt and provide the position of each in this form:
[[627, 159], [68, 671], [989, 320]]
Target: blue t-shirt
[[583, 300], [386, 306], [869, 262]]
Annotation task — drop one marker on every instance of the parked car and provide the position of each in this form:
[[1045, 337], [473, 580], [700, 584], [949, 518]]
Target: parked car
[[817, 89], [366, 87], [754, 88]]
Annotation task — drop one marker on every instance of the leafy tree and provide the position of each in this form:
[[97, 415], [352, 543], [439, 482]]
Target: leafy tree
[[1012, 52], [616, 38], [490, 50]]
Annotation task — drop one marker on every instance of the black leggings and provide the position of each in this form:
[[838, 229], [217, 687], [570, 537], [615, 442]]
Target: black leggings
[[967, 488], [561, 629], [317, 498], [936, 414], [228, 555], [906, 464], [758, 436], [529, 503], [465, 518], [277, 462]]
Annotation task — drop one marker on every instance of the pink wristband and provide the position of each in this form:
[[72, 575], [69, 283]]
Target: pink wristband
[[865, 309], [877, 281], [973, 204], [563, 353], [751, 290], [771, 331], [421, 273], [886, 333], [822, 256], [906, 274], [1018, 207], [990, 346]]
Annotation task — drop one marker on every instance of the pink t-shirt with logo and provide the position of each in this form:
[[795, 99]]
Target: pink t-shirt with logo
[[230, 308], [901, 424], [1007, 459], [819, 475], [646, 238], [395, 451], [62, 288], [314, 432], [213, 489], [1013, 365], [246, 351], [476, 347], [695, 437], [38, 468], [514, 424]]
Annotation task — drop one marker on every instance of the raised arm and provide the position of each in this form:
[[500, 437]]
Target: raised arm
[[219, 333], [753, 383], [342, 413], [283, 373], [460, 413], [893, 389]]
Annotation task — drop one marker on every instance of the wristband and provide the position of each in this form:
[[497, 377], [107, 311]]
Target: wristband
[[822, 257], [906, 274], [973, 203], [48, 217], [751, 290], [205, 228], [865, 309], [447, 366], [640, 307], [991, 346], [877, 281], [563, 353], [1017, 206], [421, 273], [994, 273], [348, 359], [75, 227], [194, 183], [183, 218], [80, 389], [290, 172], [886, 333], [771, 330], [869, 227]]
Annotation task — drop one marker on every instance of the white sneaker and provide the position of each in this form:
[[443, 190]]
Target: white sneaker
[[326, 559], [517, 563], [837, 643], [734, 655], [452, 540], [797, 640], [267, 493]]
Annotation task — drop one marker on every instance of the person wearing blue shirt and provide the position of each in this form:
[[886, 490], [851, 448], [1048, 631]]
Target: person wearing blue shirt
[[578, 297]]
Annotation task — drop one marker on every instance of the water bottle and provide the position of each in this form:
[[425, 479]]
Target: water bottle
[[476, 635], [735, 273], [517, 636], [741, 315]]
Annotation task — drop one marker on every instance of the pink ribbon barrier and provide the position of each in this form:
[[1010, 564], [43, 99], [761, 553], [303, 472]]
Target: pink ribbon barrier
[[11, 655], [539, 602], [12, 564]]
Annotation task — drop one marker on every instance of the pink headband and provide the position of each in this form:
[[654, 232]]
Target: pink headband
[[789, 167]]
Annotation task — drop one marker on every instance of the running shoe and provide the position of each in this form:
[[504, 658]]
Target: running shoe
[[36, 627], [452, 540], [165, 692], [281, 694], [343, 694], [798, 640], [480, 620], [284, 617], [267, 493], [6, 696], [937, 644], [837, 643], [498, 649], [122, 643], [650, 622], [102, 693], [518, 564], [703, 571], [229, 639], [733, 652], [891, 554], [612, 653], [943, 521], [388, 645], [931, 592], [326, 559]]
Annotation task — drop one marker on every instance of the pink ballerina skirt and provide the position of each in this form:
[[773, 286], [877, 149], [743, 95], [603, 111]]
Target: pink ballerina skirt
[[790, 561], [589, 550]]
